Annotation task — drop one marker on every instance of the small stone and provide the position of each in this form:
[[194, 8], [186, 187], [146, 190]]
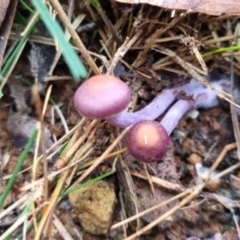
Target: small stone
[[194, 158], [94, 205]]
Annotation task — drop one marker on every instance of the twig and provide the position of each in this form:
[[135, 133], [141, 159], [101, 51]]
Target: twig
[[102, 157], [150, 209], [186, 200], [160, 182], [122, 50], [77, 40]]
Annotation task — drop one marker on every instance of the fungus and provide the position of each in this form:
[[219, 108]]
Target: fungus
[[105, 96], [102, 96], [148, 141]]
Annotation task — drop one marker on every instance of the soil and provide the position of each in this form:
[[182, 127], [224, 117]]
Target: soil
[[130, 187]]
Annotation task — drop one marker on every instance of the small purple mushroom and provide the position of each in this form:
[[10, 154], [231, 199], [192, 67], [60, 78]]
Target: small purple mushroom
[[102, 96], [148, 141], [106, 97]]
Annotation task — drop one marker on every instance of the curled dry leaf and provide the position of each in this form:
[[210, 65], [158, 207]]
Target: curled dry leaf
[[211, 7]]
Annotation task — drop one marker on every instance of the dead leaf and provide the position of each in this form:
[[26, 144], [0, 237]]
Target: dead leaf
[[211, 7]]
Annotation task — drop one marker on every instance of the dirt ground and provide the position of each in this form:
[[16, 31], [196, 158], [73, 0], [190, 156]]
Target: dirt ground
[[187, 205]]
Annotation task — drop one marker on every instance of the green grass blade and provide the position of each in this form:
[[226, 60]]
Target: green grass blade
[[222, 50], [13, 55], [76, 67], [65, 193], [17, 168]]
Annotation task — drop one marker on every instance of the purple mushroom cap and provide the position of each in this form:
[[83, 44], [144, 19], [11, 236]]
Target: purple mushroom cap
[[147, 141], [102, 96]]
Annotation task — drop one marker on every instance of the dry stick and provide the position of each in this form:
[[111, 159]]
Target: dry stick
[[41, 112], [14, 205], [224, 172], [52, 175], [52, 203], [63, 138], [62, 15], [55, 173], [149, 179], [60, 227], [58, 188], [21, 219], [189, 68], [122, 50], [222, 154], [75, 146], [57, 143], [186, 200], [40, 140], [102, 157], [236, 129], [150, 209], [220, 157], [157, 35], [108, 23], [74, 169], [160, 182]]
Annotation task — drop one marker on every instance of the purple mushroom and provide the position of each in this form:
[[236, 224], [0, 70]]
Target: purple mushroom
[[105, 96], [142, 138]]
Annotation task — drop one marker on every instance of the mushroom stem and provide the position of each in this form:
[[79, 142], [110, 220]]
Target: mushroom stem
[[201, 98], [152, 111], [161, 103], [175, 113], [147, 140]]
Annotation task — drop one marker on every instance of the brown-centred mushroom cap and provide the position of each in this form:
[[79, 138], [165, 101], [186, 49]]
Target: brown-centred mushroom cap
[[147, 141], [102, 96]]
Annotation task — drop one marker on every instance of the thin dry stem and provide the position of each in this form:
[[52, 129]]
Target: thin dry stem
[[61, 228], [150, 209], [186, 200], [160, 182], [62, 15], [103, 156], [52, 204], [123, 50]]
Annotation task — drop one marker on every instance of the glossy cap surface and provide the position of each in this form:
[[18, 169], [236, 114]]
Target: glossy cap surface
[[102, 96], [147, 141]]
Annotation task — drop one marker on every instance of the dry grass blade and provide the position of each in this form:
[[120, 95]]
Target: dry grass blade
[[160, 182], [103, 156], [55, 194], [61, 228], [122, 50], [62, 15], [220, 157], [190, 69], [236, 129], [150, 209], [186, 200]]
